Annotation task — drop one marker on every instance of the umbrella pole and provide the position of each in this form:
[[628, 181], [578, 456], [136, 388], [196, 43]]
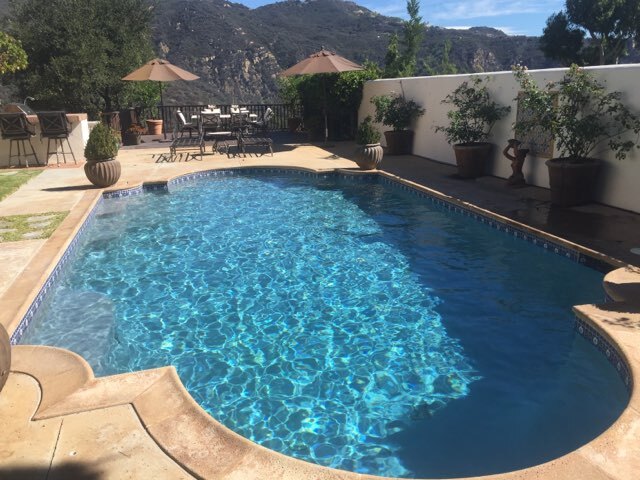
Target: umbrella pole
[[164, 127], [324, 107]]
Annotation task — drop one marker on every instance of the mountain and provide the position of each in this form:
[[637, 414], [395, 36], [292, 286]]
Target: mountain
[[238, 51]]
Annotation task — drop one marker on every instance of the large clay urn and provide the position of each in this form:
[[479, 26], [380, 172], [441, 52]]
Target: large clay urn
[[103, 173], [368, 157], [5, 356]]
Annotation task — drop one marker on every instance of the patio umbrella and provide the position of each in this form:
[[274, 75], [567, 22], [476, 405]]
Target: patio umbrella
[[159, 70], [323, 61]]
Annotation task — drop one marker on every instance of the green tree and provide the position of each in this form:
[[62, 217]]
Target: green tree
[[392, 60], [401, 62], [12, 55], [442, 66], [609, 24], [80, 49]]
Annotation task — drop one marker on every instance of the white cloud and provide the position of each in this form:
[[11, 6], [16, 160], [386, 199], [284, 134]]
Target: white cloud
[[465, 9], [392, 9], [507, 30]]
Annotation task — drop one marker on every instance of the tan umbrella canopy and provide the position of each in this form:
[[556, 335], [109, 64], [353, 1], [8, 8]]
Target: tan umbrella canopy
[[159, 70], [323, 61]]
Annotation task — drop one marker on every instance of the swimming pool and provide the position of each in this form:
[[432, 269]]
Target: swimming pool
[[346, 323]]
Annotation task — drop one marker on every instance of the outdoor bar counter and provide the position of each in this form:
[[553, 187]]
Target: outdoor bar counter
[[77, 138]]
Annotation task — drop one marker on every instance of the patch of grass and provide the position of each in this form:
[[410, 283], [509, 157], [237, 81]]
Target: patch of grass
[[15, 227], [11, 180]]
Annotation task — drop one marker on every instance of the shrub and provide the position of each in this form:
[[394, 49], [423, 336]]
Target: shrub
[[578, 112], [473, 115], [396, 111], [102, 144], [367, 134]]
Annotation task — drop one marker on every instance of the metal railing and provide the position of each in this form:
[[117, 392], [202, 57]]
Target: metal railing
[[279, 122]]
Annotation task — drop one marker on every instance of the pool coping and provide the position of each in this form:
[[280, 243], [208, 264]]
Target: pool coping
[[614, 454]]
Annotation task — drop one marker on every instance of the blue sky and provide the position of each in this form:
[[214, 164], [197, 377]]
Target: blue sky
[[514, 17]]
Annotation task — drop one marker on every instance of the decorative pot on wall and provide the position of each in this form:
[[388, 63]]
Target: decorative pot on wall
[[103, 173], [472, 158], [368, 157], [572, 183], [399, 142]]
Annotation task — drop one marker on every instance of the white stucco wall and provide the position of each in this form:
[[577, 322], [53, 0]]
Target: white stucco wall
[[619, 183]]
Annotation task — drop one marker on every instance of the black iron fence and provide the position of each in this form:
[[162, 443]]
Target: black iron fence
[[342, 122], [167, 113]]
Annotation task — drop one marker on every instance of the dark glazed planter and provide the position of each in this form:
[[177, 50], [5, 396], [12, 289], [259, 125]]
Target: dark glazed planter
[[5, 356], [130, 138], [472, 158], [399, 142], [293, 124], [368, 157], [103, 174], [572, 183]]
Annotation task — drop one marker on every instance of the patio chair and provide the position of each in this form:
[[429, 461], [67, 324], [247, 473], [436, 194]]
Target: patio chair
[[210, 129], [15, 127], [183, 126], [55, 126], [263, 123]]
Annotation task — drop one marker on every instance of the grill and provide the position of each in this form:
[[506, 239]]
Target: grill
[[17, 108]]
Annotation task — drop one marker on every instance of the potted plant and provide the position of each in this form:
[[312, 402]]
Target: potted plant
[[397, 112], [102, 168], [579, 114], [131, 135], [369, 153], [470, 124]]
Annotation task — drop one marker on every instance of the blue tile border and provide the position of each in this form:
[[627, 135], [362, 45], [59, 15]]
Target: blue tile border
[[610, 352], [44, 290]]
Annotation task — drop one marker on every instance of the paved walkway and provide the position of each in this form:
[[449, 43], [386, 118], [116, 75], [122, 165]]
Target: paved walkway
[[608, 230]]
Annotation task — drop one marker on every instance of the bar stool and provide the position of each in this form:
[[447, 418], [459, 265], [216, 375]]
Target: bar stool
[[17, 128], [55, 126]]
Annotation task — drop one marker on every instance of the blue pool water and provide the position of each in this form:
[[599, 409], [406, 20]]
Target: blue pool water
[[346, 323]]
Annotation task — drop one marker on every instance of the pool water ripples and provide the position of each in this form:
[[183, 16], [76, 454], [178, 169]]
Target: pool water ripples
[[320, 319]]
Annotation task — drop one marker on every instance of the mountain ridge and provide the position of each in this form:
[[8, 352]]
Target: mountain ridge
[[238, 51]]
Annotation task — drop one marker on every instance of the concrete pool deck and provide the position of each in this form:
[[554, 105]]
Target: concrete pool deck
[[60, 422]]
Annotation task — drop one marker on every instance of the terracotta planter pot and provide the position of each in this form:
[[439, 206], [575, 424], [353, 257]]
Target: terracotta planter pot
[[154, 127], [399, 142], [572, 183], [472, 158], [103, 174], [368, 157]]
